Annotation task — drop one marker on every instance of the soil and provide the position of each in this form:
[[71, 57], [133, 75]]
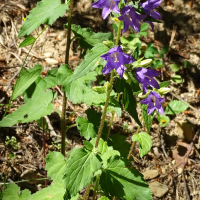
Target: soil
[[179, 28]]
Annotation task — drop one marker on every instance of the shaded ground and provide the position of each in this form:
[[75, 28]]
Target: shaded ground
[[28, 163]]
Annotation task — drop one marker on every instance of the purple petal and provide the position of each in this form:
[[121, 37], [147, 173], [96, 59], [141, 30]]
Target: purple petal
[[129, 58], [106, 11], [155, 3], [116, 9], [152, 73], [107, 69], [153, 83], [126, 26], [159, 107], [150, 109], [152, 26], [98, 4], [120, 70], [144, 88], [155, 15]]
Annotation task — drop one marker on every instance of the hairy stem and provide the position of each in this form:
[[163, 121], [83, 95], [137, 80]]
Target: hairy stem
[[95, 188], [44, 142], [63, 123], [87, 192]]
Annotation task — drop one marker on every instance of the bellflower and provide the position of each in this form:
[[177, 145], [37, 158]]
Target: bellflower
[[115, 60], [154, 102], [108, 6], [130, 18], [146, 77]]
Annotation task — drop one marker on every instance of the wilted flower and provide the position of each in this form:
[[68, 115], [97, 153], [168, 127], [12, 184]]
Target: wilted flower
[[108, 6], [130, 18], [115, 60], [146, 77], [154, 102]]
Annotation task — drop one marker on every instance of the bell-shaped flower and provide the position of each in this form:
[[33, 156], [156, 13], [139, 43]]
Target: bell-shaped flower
[[154, 103], [108, 6], [115, 60], [146, 77], [130, 18]]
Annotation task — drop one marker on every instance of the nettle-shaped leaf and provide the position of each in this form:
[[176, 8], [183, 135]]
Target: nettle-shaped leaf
[[119, 181], [13, 192], [87, 38], [145, 142], [81, 164], [90, 61], [33, 109], [147, 118], [47, 11]]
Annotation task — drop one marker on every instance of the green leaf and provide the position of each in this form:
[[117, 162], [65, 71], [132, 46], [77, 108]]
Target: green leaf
[[156, 64], [147, 118], [164, 50], [150, 51], [164, 84], [90, 61], [87, 38], [77, 91], [53, 192], [120, 144], [115, 106], [102, 146], [177, 79], [47, 11], [175, 67], [175, 107], [163, 120], [128, 98], [80, 168], [26, 80], [119, 181], [27, 41], [144, 27], [86, 128], [55, 166], [145, 142], [40, 123], [103, 198], [131, 42], [12, 192], [33, 109], [88, 145], [186, 64]]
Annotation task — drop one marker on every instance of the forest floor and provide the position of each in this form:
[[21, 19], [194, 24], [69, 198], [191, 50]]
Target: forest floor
[[179, 28]]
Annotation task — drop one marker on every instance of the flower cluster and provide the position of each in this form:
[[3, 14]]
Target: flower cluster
[[115, 57]]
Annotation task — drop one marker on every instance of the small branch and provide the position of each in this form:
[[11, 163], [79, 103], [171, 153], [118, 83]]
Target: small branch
[[51, 130]]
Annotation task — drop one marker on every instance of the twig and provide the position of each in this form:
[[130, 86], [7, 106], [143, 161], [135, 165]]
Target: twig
[[51, 130], [163, 147], [1, 100]]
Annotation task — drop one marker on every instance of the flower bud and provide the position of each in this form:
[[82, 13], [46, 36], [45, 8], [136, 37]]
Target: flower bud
[[127, 77], [145, 62], [163, 90], [142, 96]]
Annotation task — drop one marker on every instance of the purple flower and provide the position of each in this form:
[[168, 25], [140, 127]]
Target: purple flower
[[108, 6], [130, 18], [115, 60], [146, 77], [154, 102]]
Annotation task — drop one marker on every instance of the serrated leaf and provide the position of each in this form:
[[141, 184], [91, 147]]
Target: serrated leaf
[[147, 118], [55, 166], [150, 51], [53, 192], [177, 79], [12, 192], [47, 11], [145, 142], [87, 38], [88, 145], [119, 181], [130, 41], [163, 120], [90, 61], [164, 84], [175, 67], [80, 168], [27, 41], [128, 98], [26, 80], [77, 91], [33, 109], [175, 107], [102, 146], [86, 128], [120, 144]]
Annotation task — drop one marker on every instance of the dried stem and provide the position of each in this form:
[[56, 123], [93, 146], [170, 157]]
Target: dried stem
[[44, 142]]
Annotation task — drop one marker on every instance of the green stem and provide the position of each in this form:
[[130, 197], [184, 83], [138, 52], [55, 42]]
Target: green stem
[[113, 113], [73, 125], [108, 94], [63, 123], [95, 188], [21, 69], [87, 192], [133, 144]]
